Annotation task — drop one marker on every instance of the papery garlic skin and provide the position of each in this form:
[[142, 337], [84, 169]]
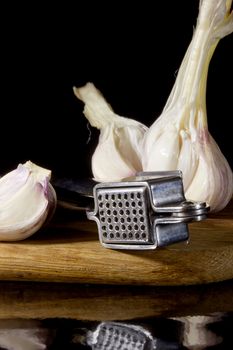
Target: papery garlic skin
[[27, 201], [118, 153], [179, 138]]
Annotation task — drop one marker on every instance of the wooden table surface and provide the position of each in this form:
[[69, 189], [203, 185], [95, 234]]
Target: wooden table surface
[[69, 251]]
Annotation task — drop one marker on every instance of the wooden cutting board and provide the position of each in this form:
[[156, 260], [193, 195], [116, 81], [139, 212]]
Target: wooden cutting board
[[69, 251]]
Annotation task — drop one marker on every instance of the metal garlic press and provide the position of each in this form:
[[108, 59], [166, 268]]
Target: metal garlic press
[[144, 212]]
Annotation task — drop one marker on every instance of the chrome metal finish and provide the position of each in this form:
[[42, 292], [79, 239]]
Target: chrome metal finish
[[144, 212]]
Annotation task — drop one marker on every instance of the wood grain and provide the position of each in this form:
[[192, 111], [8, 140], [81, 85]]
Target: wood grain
[[69, 251]]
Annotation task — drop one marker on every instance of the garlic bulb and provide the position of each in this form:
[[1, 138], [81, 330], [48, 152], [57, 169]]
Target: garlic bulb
[[27, 201], [118, 153], [179, 138]]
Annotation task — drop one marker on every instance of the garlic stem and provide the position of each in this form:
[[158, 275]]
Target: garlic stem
[[97, 111], [190, 86]]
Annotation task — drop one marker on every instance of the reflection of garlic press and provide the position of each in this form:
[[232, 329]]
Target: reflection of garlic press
[[122, 336], [146, 212], [113, 335]]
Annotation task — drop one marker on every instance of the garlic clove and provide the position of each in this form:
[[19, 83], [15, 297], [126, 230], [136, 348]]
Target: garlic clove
[[165, 150], [109, 162], [12, 182], [27, 200], [118, 153], [212, 175], [188, 158]]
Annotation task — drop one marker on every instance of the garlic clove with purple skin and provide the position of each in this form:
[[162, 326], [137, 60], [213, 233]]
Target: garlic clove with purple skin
[[27, 201], [118, 153]]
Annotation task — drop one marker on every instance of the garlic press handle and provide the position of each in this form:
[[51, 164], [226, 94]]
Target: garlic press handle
[[74, 194]]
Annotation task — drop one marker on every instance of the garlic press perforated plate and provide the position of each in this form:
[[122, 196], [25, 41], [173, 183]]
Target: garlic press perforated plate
[[144, 212]]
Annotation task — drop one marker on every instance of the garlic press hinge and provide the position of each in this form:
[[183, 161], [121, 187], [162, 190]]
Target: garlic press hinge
[[167, 197]]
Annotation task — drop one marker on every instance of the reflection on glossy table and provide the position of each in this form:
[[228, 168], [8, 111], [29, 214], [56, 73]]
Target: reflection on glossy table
[[78, 316], [101, 302]]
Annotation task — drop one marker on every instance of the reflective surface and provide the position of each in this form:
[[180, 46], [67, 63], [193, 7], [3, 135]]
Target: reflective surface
[[190, 332], [36, 316]]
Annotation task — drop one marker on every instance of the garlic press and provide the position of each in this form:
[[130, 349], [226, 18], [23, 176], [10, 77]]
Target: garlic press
[[144, 212], [140, 213]]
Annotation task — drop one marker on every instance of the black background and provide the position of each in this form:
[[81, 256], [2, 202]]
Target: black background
[[129, 50]]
